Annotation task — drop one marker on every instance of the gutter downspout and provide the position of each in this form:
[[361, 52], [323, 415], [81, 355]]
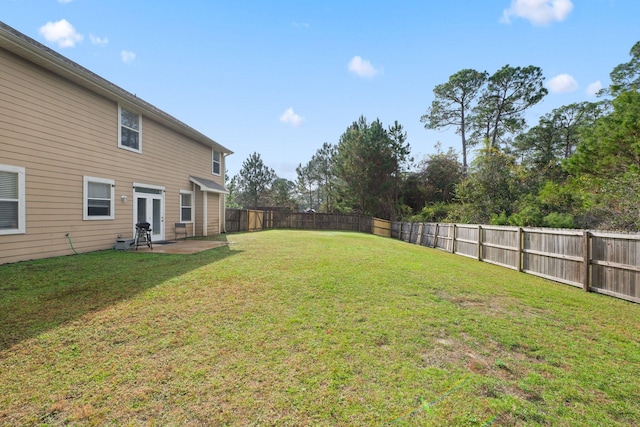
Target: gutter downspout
[[193, 222]]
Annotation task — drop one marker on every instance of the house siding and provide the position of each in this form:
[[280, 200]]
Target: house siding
[[213, 222], [60, 132]]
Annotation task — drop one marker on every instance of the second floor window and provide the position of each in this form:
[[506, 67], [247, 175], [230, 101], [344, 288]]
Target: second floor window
[[217, 159], [130, 130]]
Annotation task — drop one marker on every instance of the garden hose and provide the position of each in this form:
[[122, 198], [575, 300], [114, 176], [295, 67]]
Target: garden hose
[[71, 244]]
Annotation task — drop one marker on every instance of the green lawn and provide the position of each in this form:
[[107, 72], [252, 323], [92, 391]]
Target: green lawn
[[297, 328]]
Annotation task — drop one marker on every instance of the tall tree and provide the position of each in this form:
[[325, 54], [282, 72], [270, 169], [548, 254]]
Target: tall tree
[[491, 188], [254, 181], [400, 152], [233, 199], [607, 165], [555, 138], [626, 76], [442, 172], [322, 171], [453, 103], [306, 185], [282, 193], [365, 161], [612, 146], [510, 91]]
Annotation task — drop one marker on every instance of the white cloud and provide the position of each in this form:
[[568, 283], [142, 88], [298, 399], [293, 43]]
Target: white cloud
[[127, 56], [300, 24], [562, 83], [362, 67], [62, 33], [98, 40], [289, 117], [538, 12], [65, 1], [594, 88]]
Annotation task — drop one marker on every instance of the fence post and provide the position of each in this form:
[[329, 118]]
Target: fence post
[[587, 259], [435, 236], [479, 242], [519, 239], [453, 242]]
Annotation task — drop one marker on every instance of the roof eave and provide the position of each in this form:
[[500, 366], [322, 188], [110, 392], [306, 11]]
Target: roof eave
[[201, 182], [27, 48]]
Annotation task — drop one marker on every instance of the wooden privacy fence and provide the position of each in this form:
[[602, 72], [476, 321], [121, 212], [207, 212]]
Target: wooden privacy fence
[[244, 220], [607, 263], [318, 221], [252, 220]]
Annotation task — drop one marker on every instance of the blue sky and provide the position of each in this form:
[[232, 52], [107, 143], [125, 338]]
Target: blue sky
[[280, 78]]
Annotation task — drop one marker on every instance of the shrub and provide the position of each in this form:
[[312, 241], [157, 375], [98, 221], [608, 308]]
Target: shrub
[[558, 220]]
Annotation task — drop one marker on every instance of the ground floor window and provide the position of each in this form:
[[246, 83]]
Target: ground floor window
[[186, 206], [12, 199], [98, 198]]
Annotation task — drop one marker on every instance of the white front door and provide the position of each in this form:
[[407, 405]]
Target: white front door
[[149, 207]]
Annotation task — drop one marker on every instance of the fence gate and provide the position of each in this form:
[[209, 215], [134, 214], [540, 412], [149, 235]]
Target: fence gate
[[255, 220], [381, 227]]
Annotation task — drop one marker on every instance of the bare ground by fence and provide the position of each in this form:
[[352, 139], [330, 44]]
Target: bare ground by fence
[[607, 263]]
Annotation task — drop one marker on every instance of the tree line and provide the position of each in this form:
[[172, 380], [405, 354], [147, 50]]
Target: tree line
[[578, 167]]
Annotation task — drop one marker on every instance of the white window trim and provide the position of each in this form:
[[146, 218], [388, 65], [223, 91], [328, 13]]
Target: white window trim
[[21, 200], [213, 154], [139, 150], [181, 206], [85, 199]]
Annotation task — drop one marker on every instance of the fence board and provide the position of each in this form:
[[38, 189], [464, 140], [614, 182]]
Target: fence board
[[559, 255], [466, 240], [500, 246], [615, 265]]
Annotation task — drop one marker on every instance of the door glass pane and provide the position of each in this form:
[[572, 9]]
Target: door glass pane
[[142, 209], [157, 226]]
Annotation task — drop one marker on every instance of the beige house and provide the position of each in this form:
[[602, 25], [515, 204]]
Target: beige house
[[82, 160]]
